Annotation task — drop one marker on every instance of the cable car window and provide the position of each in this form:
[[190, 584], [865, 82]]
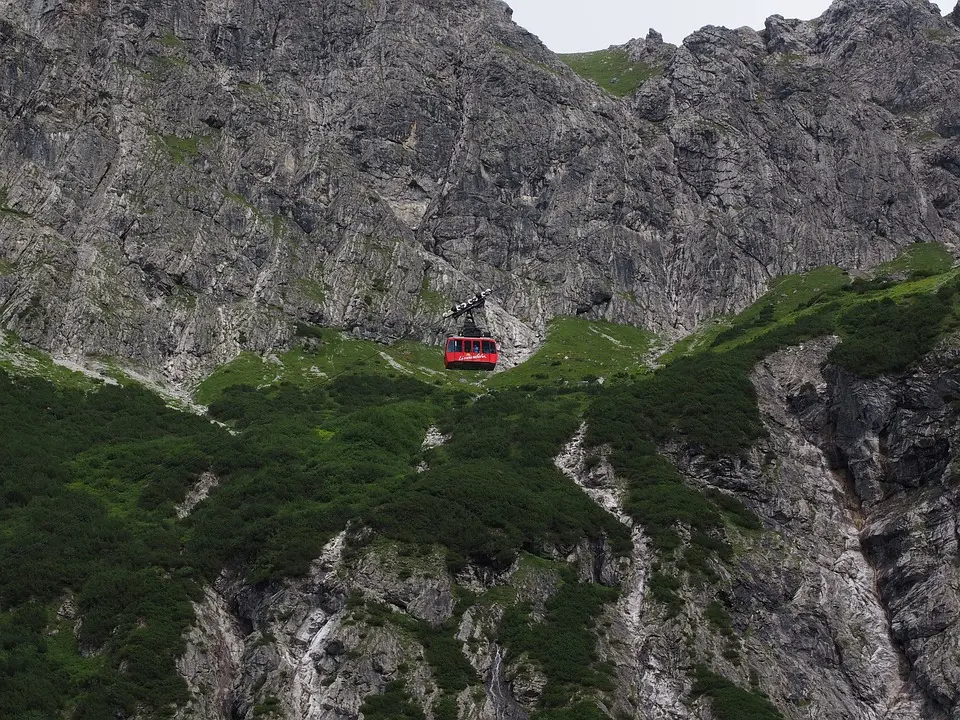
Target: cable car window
[[455, 346], [476, 346], [489, 347]]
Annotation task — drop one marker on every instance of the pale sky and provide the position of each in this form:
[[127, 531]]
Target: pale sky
[[581, 25]]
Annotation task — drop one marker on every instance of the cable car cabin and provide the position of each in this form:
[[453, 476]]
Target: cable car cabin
[[470, 353]]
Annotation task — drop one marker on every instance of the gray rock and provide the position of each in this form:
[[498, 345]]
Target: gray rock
[[185, 180]]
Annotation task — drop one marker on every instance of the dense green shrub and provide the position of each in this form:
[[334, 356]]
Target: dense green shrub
[[663, 589], [451, 669], [393, 704], [585, 710], [564, 643], [446, 708], [88, 483], [32, 684], [885, 336], [705, 399], [717, 615], [493, 489], [729, 701]]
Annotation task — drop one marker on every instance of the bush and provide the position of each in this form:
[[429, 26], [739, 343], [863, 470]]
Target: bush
[[883, 336], [393, 704], [93, 486], [564, 644], [730, 702], [663, 589]]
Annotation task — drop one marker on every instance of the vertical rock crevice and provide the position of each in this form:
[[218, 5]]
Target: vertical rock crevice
[[883, 441], [651, 680], [909, 531]]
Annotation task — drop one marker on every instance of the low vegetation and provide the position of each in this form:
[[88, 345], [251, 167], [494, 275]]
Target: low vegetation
[[181, 150], [729, 701], [563, 644], [394, 703], [703, 397], [86, 486], [579, 351]]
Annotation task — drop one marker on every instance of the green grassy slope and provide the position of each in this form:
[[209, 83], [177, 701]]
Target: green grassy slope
[[574, 351]]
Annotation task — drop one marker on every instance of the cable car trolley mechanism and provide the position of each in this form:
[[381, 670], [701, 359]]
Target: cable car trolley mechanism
[[472, 349]]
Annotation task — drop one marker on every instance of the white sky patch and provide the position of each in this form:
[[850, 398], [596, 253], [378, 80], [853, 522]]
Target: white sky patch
[[567, 26]]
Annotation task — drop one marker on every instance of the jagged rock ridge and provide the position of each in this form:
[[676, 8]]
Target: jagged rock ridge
[[183, 180]]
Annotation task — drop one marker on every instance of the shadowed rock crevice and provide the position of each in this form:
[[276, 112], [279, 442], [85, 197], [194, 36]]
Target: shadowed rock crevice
[[892, 439]]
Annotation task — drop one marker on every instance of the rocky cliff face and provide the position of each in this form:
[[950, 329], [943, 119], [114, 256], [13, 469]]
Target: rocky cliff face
[[183, 180]]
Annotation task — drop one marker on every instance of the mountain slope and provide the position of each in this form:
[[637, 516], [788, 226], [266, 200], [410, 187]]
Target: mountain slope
[[183, 181], [760, 521], [765, 522]]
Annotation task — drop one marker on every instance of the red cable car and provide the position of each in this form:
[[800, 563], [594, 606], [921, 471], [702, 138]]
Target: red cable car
[[470, 353], [472, 349]]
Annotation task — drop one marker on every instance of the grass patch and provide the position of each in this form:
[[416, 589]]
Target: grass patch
[[239, 200], [612, 70], [431, 299], [246, 369], [576, 353], [312, 289], [917, 261], [790, 58], [425, 361], [20, 360], [940, 35], [789, 293], [63, 650], [925, 136], [169, 40], [182, 150], [581, 351], [326, 353]]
